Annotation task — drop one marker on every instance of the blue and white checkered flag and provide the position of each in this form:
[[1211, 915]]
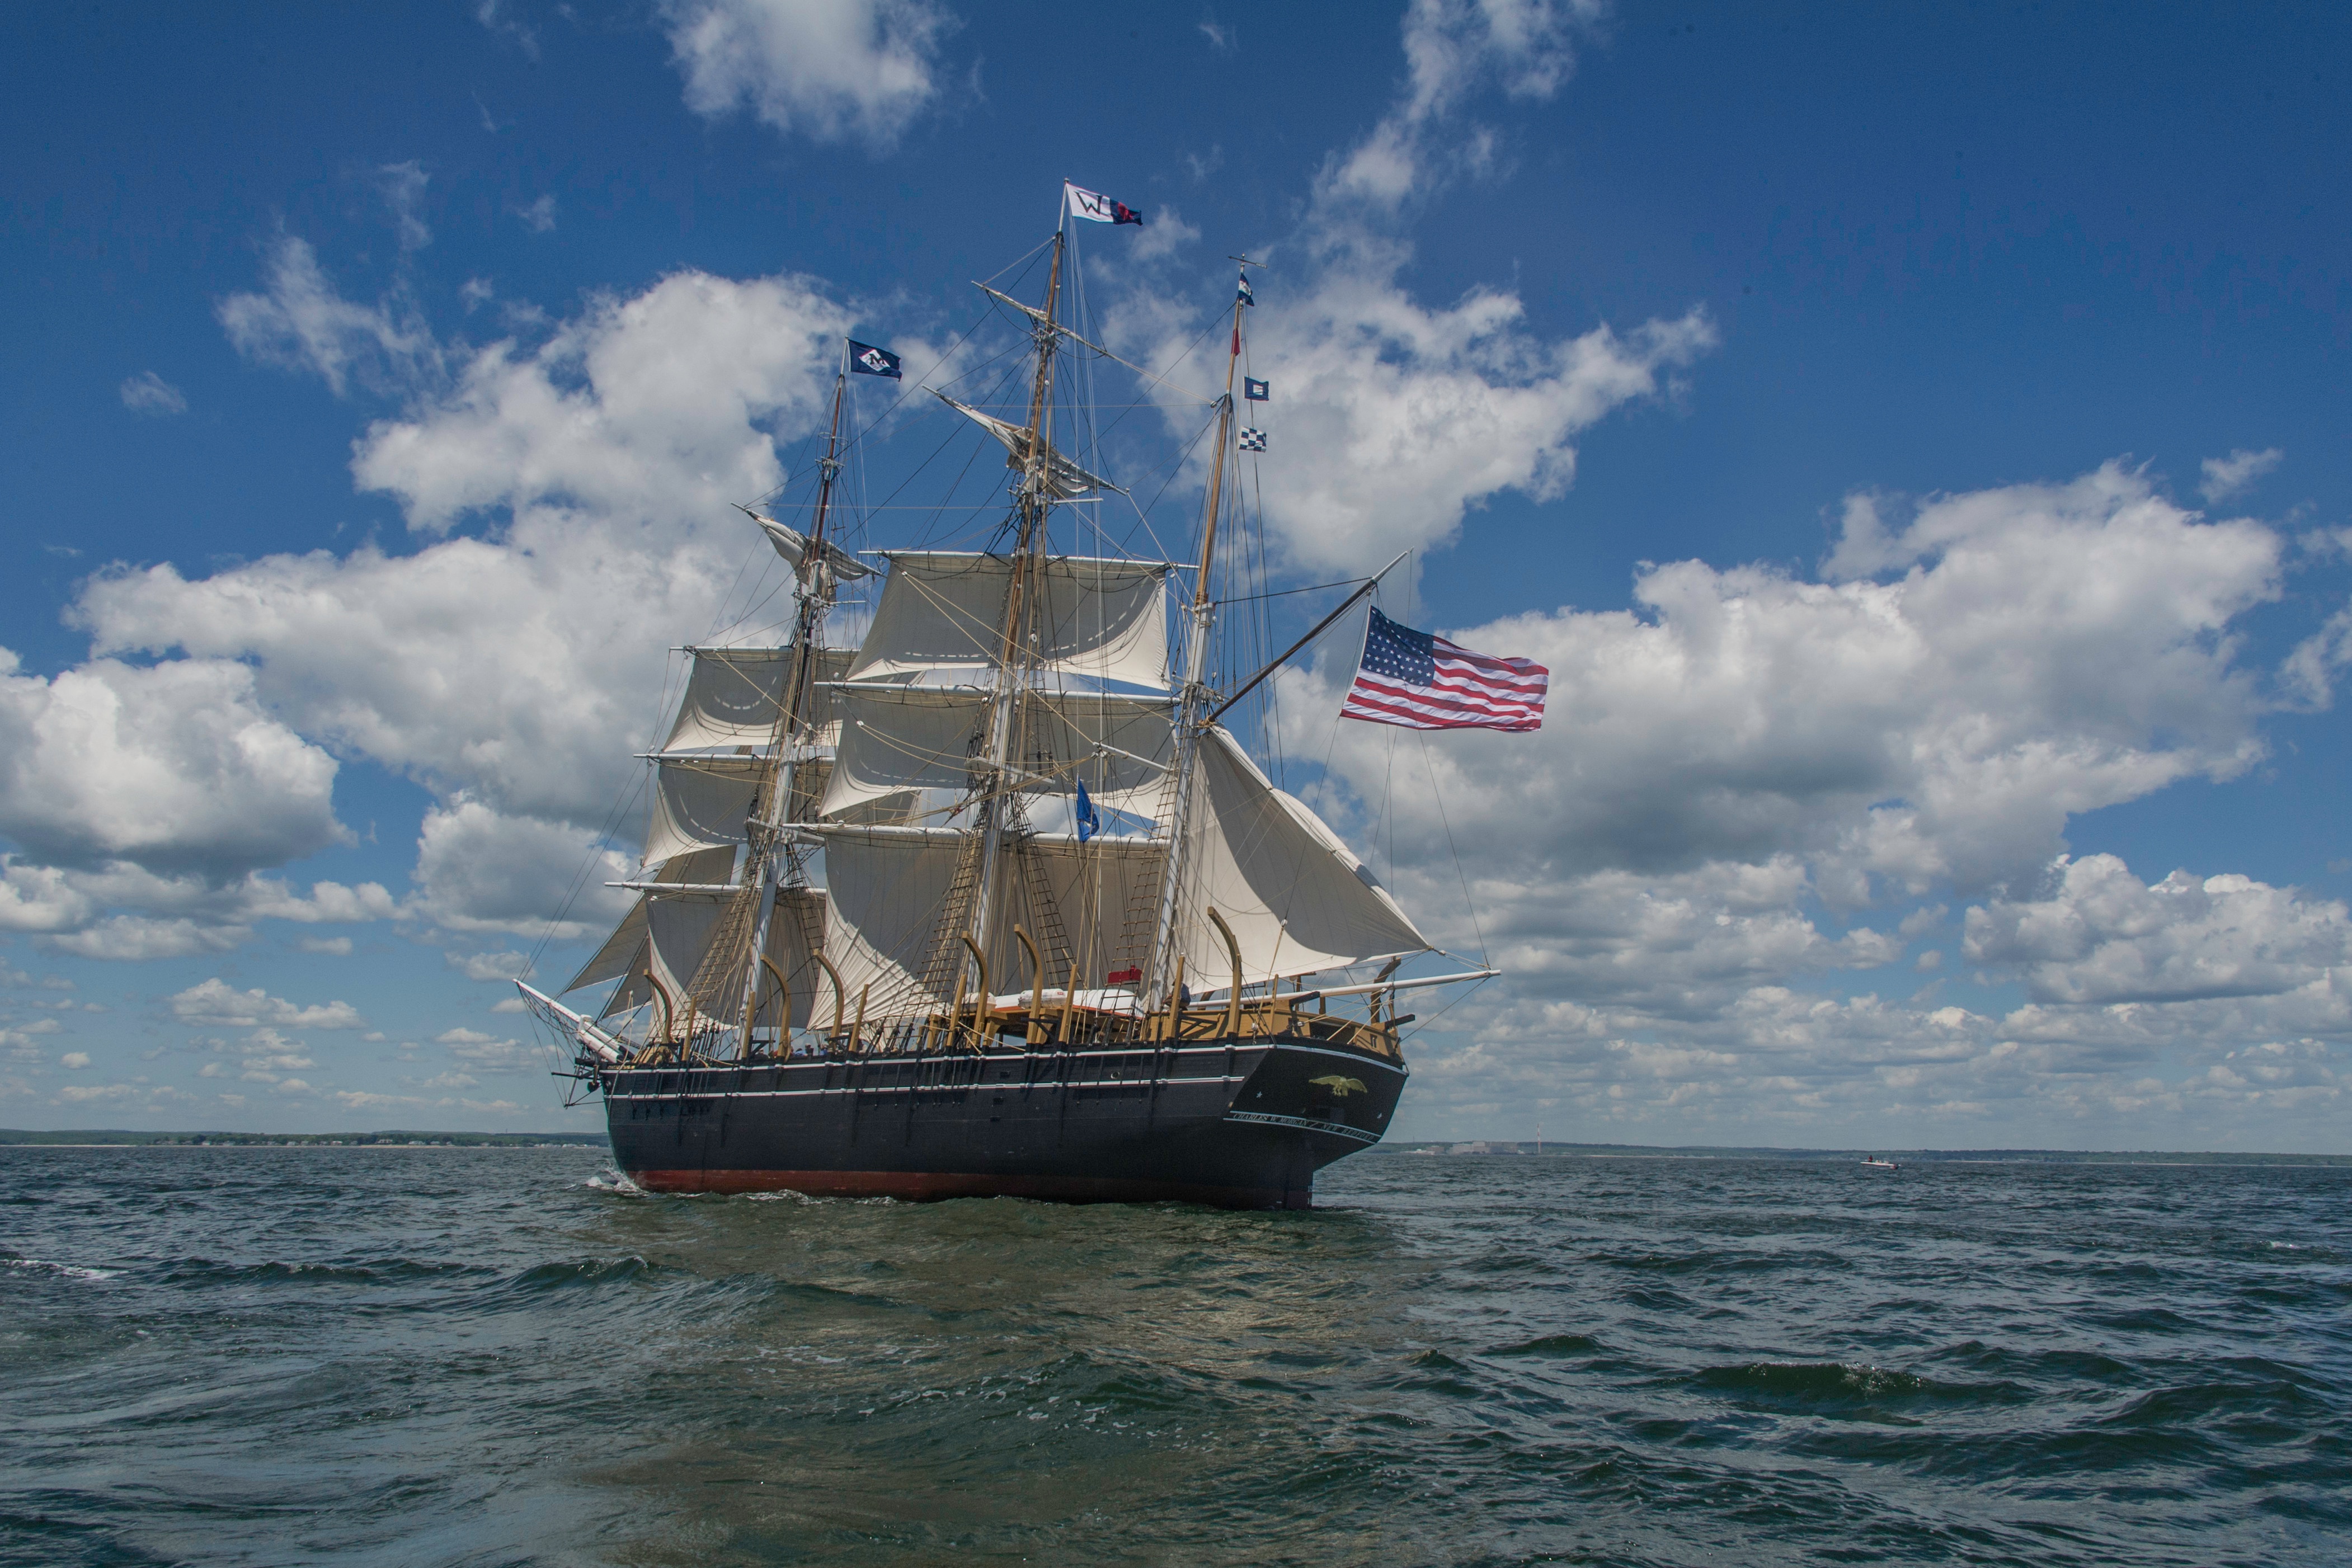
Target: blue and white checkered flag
[[1252, 440]]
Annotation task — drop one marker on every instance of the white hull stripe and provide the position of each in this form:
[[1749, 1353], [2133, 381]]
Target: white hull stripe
[[1304, 1124], [914, 1088]]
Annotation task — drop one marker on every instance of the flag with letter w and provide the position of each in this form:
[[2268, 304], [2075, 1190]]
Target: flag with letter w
[[1099, 209], [1420, 681]]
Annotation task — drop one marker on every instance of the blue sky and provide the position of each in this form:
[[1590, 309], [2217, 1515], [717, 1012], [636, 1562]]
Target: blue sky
[[1913, 436]]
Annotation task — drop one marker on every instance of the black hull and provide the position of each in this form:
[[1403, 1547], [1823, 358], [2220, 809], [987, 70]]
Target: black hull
[[1239, 1123]]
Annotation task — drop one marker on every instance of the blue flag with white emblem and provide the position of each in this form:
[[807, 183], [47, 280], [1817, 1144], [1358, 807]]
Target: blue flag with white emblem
[[1254, 389], [1089, 823], [868, 361], [1244, 293]]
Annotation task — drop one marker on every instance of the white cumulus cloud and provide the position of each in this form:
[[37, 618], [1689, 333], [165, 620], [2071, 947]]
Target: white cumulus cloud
[[2226, 477], [1451, 47], [216, 1004], [834, 70], [604, 459], [2101, 935], [176, 765], [2046, 650]]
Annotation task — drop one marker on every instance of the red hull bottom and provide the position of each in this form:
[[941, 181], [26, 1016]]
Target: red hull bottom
[[927, 1186]]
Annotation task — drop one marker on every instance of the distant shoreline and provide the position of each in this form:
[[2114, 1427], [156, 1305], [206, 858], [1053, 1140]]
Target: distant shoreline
[[1551, 1150]]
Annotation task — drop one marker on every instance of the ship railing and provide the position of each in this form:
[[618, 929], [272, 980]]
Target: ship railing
[[980, 1025]]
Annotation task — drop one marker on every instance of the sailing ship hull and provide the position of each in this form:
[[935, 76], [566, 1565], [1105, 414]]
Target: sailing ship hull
[[1243, 1123]]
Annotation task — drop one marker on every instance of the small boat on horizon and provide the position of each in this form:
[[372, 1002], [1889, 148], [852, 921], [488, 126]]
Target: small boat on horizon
[[1872, 1163]]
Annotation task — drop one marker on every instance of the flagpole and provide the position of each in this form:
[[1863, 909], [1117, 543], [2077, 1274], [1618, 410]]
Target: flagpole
[[1217, 469]]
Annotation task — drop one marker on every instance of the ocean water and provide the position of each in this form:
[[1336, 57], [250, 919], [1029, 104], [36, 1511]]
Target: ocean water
[[507, 1356]]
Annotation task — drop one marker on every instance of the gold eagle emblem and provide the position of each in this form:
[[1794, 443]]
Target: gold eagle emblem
[[1341, 1087]]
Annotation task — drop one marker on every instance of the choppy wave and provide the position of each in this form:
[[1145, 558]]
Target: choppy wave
[[318, 1355], [62, 1271]]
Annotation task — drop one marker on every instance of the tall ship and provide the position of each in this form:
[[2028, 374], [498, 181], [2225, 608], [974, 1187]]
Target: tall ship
[[964, 889]]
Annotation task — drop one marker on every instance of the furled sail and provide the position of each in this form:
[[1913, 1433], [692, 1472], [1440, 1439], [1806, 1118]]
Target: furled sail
[[928, 738], [793, 545], [1063, 478], [942, 615]]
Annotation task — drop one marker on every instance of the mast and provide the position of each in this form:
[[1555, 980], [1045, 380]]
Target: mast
[[1193, 699], [764, 868], [1015, 649]]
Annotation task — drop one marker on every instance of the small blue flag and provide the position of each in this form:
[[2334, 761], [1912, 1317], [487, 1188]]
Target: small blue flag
[[1252, 440], [868, 361], [1254, 389], [1243, 293], [1089, 823]]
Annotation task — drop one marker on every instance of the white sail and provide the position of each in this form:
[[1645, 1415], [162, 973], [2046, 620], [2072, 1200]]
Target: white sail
[[734, 695], [620, 949], [896, 738], [884, 892], [677, 931], [887, 887], [679, 925], [1298, 900], [699, 803], [942, 616], [731, 700], [1064, 479], [793, 545]]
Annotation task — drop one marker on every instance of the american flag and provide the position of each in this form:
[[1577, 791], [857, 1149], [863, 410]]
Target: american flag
[[1420, 681]]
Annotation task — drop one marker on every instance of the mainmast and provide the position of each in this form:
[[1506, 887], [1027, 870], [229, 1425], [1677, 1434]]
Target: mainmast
[[1193, 696], [772, 861], [1015, 646]]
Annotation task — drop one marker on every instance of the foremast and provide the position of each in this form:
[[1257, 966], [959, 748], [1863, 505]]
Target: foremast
[[775, 864]]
